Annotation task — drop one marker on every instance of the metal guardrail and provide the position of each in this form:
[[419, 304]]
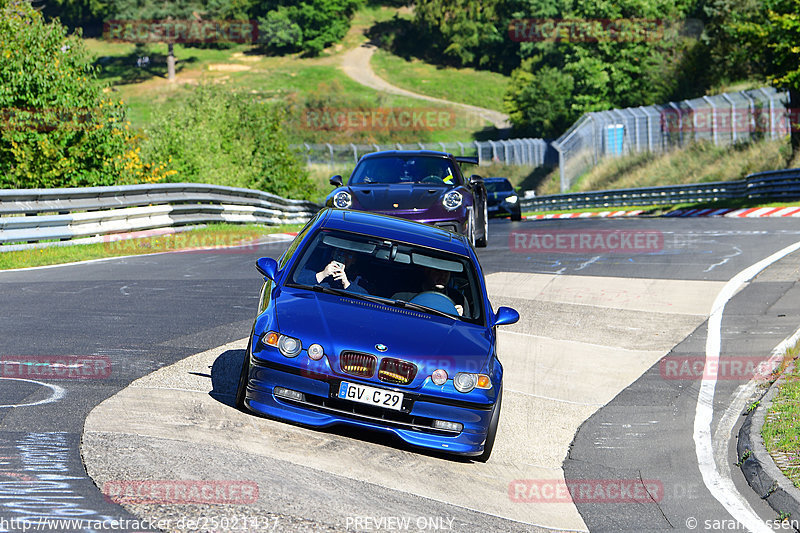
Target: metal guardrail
[[775, 185], [33, 215]]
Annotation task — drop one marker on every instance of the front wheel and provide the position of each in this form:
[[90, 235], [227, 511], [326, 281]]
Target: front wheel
[[492, 431], [485, 237], [241, 390]]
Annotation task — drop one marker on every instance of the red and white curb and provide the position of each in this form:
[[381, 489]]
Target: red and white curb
[[752, 212], [601, 214]]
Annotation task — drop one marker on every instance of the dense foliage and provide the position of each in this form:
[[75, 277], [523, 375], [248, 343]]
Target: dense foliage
[[683, 49], [217, 136], [284, 25], [58, 129]]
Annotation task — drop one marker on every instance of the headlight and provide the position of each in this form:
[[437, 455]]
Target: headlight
[[315, 352], [452, 200], [289, 346], [342, 200], [512, 199], [466, 382]]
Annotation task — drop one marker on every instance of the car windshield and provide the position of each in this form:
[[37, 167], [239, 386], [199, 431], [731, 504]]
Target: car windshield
[[395, 273], [405, 169], [498, 185]]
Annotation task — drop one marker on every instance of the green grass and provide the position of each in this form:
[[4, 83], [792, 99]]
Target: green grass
[[781, 430], [465, 85], [215, 235], [696, 163]]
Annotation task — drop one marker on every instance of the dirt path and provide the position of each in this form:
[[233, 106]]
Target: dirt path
[[356, 64]]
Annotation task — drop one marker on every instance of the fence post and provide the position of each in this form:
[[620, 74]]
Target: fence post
[[733, 116], [478, 148], [330, 151], [713, 119]]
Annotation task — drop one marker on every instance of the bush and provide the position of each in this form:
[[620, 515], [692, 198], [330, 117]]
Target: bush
[[57, 128], [225, 138]]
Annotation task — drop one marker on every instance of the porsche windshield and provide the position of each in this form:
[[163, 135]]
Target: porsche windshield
[[396, 273], [405, 169]]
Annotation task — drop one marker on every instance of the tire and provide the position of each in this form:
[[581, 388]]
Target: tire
[[516, 217], [483, 241], [492, 432], [471, 230], [241, 389]]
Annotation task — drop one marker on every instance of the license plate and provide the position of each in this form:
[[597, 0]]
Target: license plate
[[372, 396]]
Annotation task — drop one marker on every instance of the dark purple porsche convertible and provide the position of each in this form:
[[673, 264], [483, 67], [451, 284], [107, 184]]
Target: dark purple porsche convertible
[[424, 186]]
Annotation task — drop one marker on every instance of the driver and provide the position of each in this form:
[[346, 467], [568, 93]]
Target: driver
[[437, 280]]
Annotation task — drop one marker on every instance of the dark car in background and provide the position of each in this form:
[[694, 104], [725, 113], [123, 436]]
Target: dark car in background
[[503, 200], [420, 185]]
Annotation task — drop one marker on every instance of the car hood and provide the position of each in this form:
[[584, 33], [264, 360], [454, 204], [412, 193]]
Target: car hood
[[340, 323], [405, 195]]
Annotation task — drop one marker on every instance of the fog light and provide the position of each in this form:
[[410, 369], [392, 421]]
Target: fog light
[[444, 425], [289, 394], [315, 352], [439, 376]]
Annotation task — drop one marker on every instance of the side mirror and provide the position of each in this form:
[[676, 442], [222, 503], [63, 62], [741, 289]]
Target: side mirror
[[505, 315], [267, 266], [475, 179], [336, 180]]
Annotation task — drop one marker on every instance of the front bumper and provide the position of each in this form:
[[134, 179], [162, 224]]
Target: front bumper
[[504, 209], [320, 407]]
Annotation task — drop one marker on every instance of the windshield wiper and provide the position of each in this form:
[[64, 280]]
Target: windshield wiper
[[376, 299], [422, 308]]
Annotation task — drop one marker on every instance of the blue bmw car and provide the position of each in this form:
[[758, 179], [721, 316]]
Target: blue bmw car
[[378, 322]]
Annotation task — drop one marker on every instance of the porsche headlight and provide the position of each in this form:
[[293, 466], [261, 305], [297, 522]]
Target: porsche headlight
[[342, 200], [512, 199], [466, 382], [452, 200]]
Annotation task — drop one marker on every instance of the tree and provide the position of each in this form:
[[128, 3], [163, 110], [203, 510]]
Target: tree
[[139, 13], [538, 103], [57, 129], [784, 70]]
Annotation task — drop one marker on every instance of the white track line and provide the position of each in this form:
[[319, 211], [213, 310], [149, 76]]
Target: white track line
[[722, 488], [56, 395]]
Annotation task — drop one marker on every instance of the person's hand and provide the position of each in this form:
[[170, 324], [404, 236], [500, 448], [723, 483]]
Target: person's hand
[[340, 275], [329, 270], [460, 310]]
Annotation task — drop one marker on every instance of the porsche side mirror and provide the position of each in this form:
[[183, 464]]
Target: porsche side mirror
[[336, 180], [475, 179], [505, 315], [267, 266]]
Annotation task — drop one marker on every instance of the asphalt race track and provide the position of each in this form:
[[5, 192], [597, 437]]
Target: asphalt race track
[[597, 400]]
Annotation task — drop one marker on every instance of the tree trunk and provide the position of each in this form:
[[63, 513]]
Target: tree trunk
[[171, 62]]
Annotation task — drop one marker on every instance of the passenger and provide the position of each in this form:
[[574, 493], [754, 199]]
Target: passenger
[[339, 273]]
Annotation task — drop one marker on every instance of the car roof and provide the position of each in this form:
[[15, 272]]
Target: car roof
[[388, 227], [407, 153]]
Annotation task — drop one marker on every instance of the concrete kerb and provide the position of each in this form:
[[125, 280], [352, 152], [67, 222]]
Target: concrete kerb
[[759, 468]]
